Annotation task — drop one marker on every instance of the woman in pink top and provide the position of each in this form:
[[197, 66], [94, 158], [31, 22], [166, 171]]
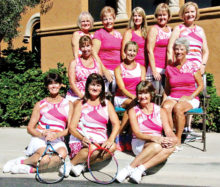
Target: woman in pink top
[[53, 110], [157, 41], [147, 121], [93, 111], [128, 74], [107, 44], [85, 23], [198, 50], [137, 32], [81, 68], [181, 91]]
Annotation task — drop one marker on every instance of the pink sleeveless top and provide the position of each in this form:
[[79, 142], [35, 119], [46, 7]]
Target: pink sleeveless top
[[182, 82], [194, 36], [149, 124], [160, 49], [55, 115], [140, 58], [82, 73], [83, 34], [130, 78], [110, 48], [95, 119]]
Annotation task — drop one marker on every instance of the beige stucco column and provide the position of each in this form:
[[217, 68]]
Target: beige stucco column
[[174, 6], [121, 10]]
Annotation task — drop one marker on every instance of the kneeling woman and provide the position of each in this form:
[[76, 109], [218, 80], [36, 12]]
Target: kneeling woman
[[53, 110], [93, 111], [148, 121]]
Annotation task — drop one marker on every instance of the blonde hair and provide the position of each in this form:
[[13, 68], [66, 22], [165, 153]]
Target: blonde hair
[[85, 14], [163, 7], [131, 25], [107, 9], [185, 6], [131, 43]]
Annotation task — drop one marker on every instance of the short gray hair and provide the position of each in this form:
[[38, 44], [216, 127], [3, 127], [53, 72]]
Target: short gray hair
[[182, 41], [85, 14]]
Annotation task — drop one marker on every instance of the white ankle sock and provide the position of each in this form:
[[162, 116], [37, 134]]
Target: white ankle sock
[[142, 168]]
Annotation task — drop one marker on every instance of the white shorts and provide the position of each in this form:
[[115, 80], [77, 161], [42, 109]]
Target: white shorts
[[194, 102], [137, 145], [72, 98], [37, 143], [119, 100]]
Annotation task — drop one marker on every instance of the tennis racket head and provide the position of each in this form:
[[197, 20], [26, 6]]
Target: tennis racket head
[[104, 172], [48, 166]]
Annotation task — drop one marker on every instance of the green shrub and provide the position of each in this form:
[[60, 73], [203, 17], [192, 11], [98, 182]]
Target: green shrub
[[22, 85]]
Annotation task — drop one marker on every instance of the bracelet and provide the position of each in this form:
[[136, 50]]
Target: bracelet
[[204, 64]]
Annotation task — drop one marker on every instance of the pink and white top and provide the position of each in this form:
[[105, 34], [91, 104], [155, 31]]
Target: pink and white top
[[194, 36], [182, 81], [149, 124], [83, 34], [82, 73], [55, 115], [131, 77], [140, 57], [95, 119], [110, 48]]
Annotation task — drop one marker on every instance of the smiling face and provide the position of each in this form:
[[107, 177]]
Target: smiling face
[[86, 49], [189, 15], [108, 21], [85, 23], [144, 98], [137, 19], [131, 52], [94, 89], [162, 17], [180, 52], [54, 88]]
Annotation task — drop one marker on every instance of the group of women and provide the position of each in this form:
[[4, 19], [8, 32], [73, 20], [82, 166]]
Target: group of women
[[176, 59]]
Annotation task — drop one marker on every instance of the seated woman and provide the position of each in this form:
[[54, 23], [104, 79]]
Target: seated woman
[[147, 121], [128, 74], [181, 91], [85, 23], [53, 110], [80, 68], [93, 111]]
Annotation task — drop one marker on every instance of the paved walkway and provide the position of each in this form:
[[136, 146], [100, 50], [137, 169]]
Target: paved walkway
[[190, 167]]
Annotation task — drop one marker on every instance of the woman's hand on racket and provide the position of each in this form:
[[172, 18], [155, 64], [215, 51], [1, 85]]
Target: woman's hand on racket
[[86, 142], [108, 144], [51, 136]]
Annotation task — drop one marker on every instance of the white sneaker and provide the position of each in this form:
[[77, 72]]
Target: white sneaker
[[124, 173], [77, 169], [67, 171], [7, 167], [136, 175], [21, 169]]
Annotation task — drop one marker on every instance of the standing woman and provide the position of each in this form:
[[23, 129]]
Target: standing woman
[[53, 110], [137, 32], [148, 121], [107, 44], [80, 68], [85, 23], [181, 93], [198, 51], [157, 42], [93, 111], [128, 74]]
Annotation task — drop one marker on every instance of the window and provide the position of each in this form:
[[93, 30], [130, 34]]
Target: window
[[148, 5], [206, 3], [95, 7]]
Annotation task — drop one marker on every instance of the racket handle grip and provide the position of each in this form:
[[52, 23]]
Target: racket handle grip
[[47, 126]]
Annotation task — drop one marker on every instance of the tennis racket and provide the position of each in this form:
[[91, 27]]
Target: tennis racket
[[47, 171], [101, 172]]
